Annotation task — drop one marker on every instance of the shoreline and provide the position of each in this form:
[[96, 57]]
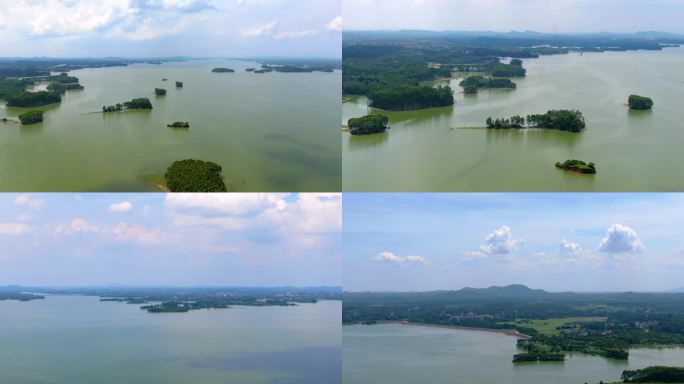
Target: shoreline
[[509, 332]]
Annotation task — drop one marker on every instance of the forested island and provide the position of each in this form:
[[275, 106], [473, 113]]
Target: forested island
[[139, 103], [562, 120], [380, 63], [223, 70], [31, 117], [407, 97], [172, 299], [604, 324], [179, 84], [640, 102], [472, 84], [33, 99], [368, 125], [577, 166], [179, 124], [194, 176], [160, 91], [655, 374]]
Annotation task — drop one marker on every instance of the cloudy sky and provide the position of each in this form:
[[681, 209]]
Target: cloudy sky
[[135, 28], [519, 15], [578, 242], [177, 239]]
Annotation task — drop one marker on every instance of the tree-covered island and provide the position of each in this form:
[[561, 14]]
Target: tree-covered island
[[31, 117], [368, 125], [577, 166], [562, 120], [179, 124], [160, 91], [179, 84], [222, 70], [139, 103], [408, 98], [655, 374], [472, 84], [194, 176], [33, 99], [640, 102]]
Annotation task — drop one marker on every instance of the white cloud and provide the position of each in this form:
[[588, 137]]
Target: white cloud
[[24, 200], [472, 255], [229, 203], [76, 225], [260, 30], [123, 206], [621, 239], [335, 24], [295, 34], [500, 242], [389, 257], [137, 233], [570, 249], [14, 229]]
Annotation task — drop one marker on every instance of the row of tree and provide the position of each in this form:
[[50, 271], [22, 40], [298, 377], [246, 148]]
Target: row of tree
[[411, 97]]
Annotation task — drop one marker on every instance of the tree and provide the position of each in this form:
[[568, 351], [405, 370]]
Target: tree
[[368, 125]]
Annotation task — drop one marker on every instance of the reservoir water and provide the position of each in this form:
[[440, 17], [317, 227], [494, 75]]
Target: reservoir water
[[80, 340], [269, 132], [427, 150], [405, 354]]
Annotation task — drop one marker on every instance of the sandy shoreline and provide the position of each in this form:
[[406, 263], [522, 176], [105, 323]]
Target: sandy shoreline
[[508, 332]]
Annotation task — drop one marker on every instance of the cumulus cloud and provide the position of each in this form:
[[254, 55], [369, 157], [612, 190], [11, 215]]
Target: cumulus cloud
[[26, 201], [260, 30], [123, 206], [137, 233], [392, 258], [14, 229], [76, 225], [335, 24], [570, 249], [500, 242], [233, 203], [621, 239]]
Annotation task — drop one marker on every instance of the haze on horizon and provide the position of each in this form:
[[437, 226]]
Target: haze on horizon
[[555, 242], [556, 16], [151, 239], [167, 28]]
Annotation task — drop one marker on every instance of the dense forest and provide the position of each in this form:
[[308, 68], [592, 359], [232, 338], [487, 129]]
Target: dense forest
[[407, 97], [472, 84], [194, 176], [562, 120], [640, 102], [577, 166], [31, 117], [368, 125], [605, 324], [139, 103]]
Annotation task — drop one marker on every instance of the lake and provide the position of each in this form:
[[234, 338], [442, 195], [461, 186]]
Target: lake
[[426, 150], [80, 340], [269, 132], [397, 354]]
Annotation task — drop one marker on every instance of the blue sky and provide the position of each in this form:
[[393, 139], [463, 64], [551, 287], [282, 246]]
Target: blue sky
[[134, 28], [176, 239], [519, 15], [578, 242]]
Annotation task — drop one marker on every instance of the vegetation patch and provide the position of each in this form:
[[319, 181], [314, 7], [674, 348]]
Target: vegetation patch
[[655, 374], [471, 84], [222, 70], [194, 176], [33, 99], [179, 84], [160, 91], [179, 124], [140, 103], [411, 97], [577, 166], [640, 102], [368, 125], [562, 120], [31, 117]]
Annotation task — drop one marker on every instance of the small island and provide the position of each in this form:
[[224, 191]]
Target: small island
[[222, 70], [411, 97], [140, 103], [577, 166], [538, 356], [368, 125], [562, 120], [640, 103], [160, 91], [194, 176], [31, 117], [179, 124], [33, 99], [179, 84], [472, 84]]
